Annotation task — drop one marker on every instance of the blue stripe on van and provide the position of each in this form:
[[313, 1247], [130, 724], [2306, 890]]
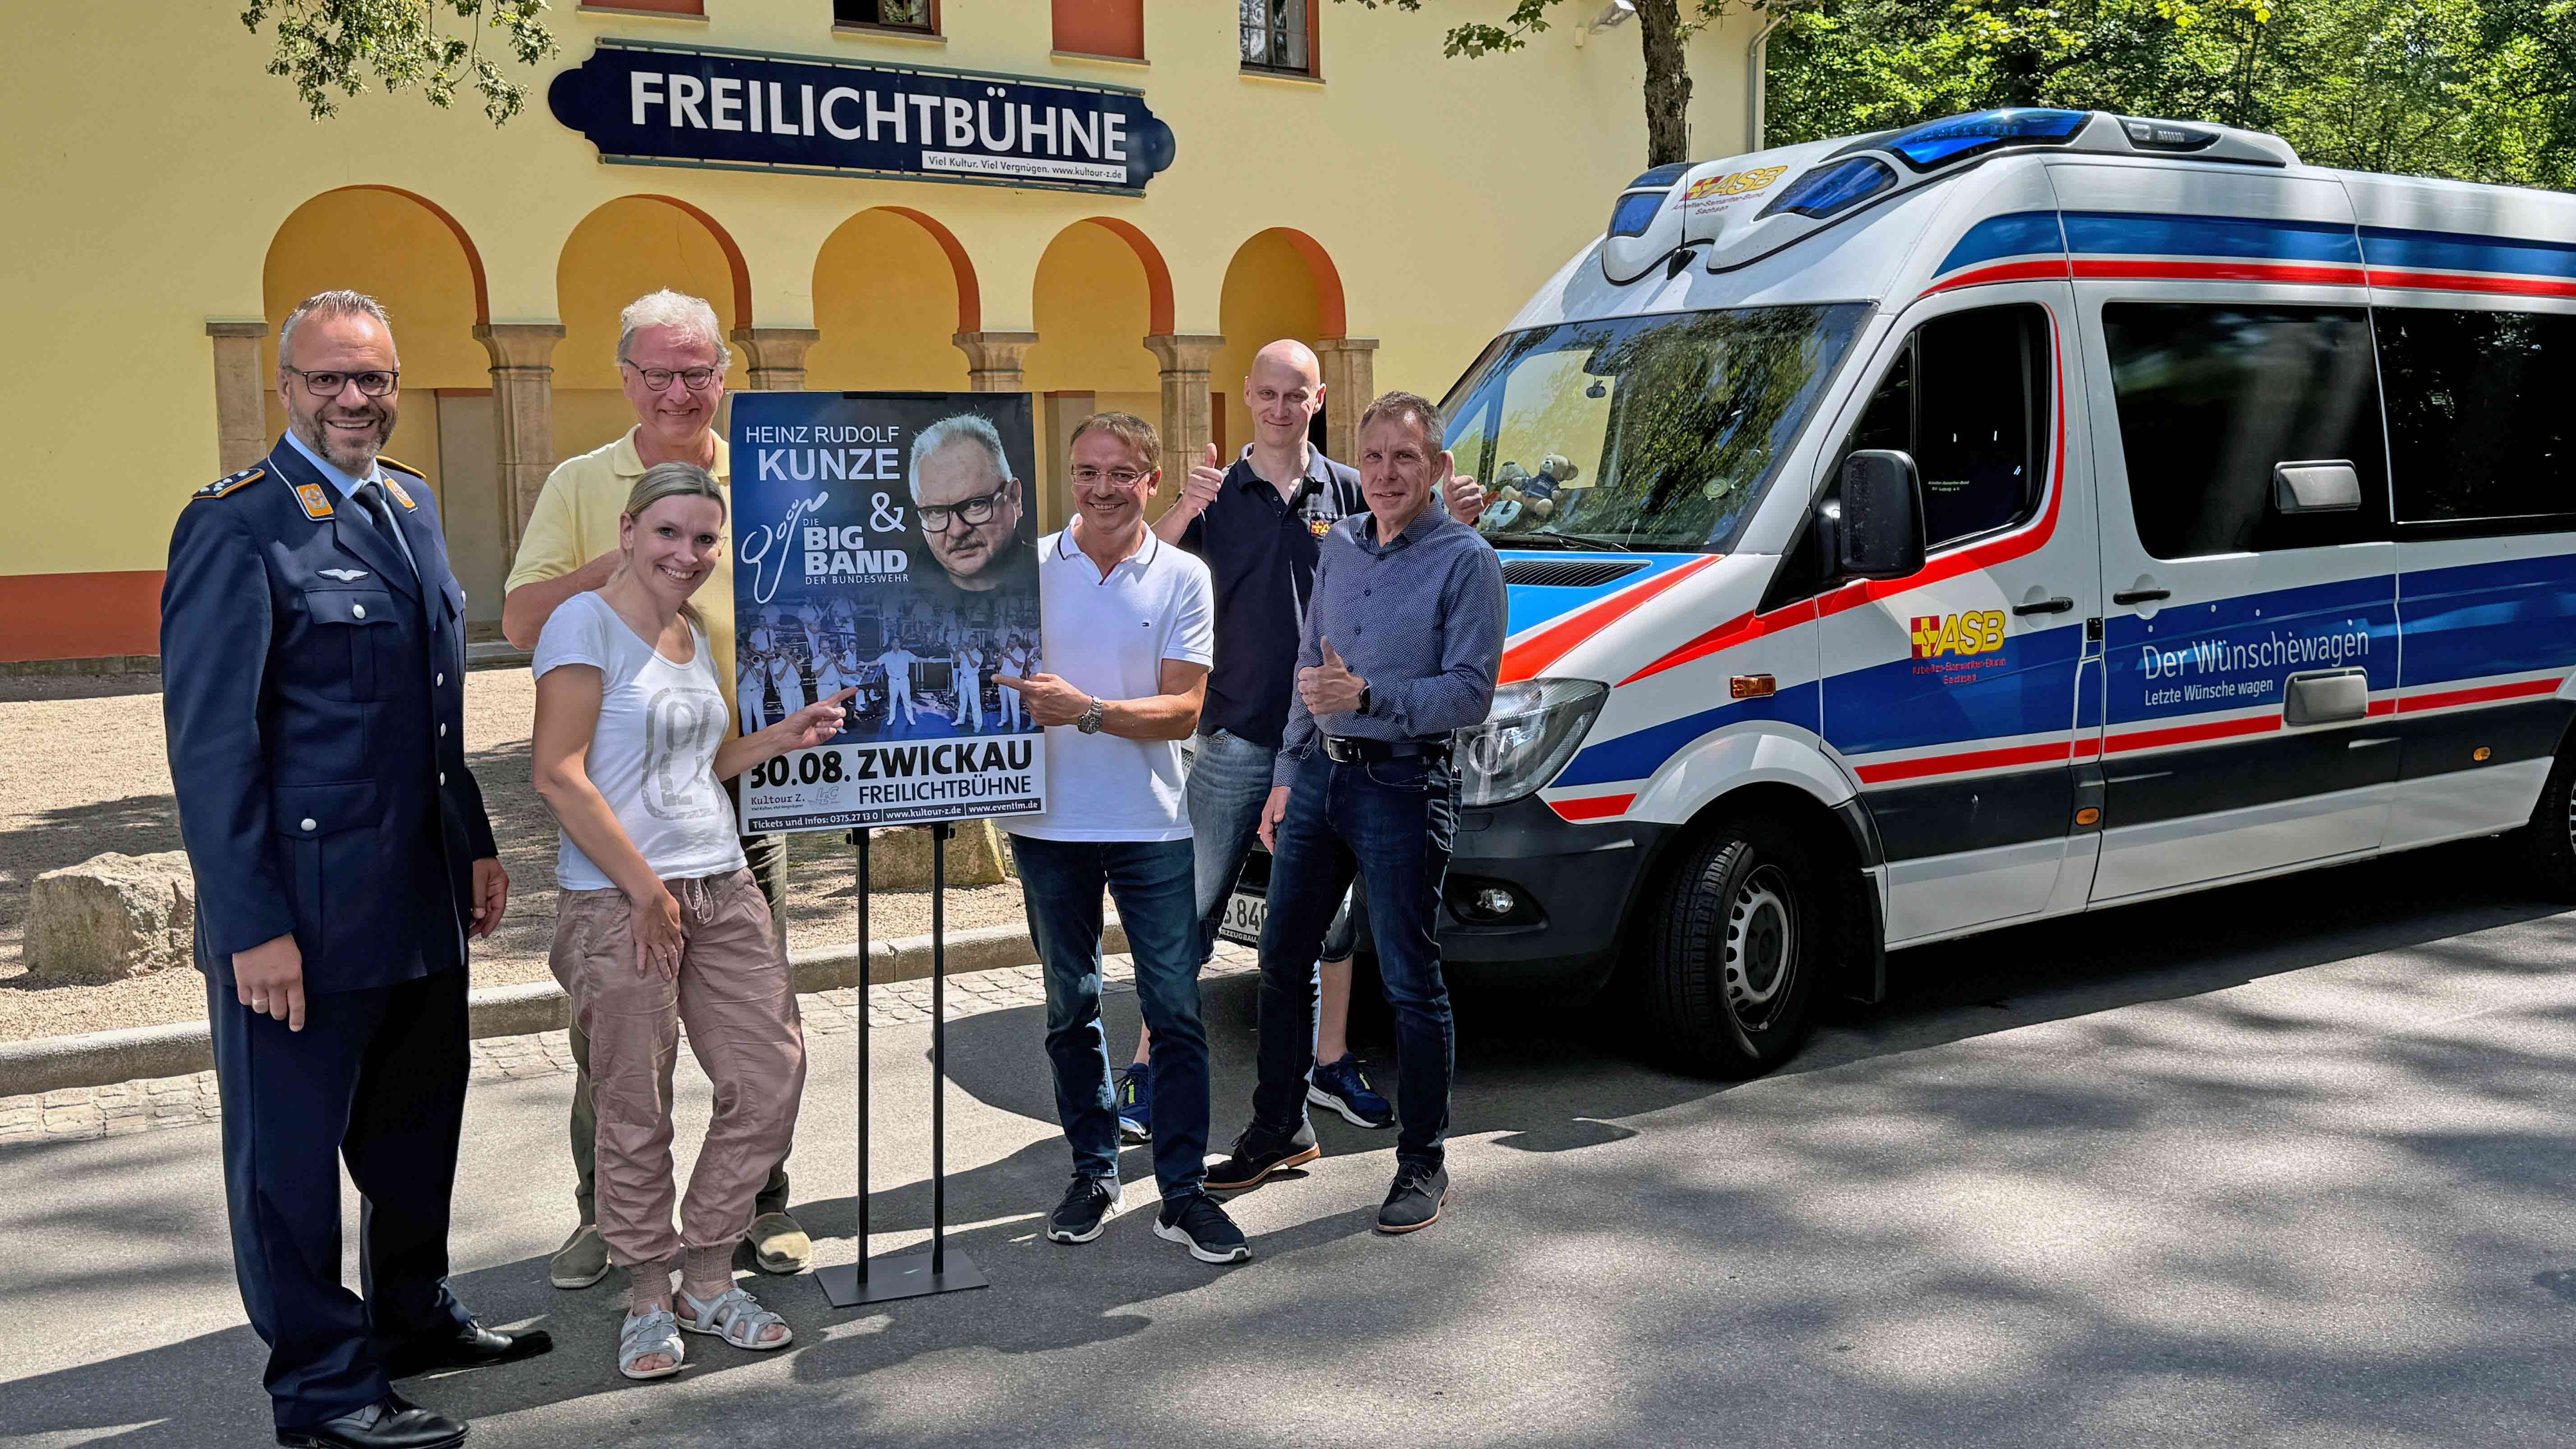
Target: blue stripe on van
[[2509, 617], [2025, 688], [2021, 234], [2442, 251], [1635, 756], [1529, 605], [2130, 234]]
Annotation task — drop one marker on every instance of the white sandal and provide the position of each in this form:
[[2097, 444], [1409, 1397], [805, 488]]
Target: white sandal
[[736, 1317], [648, 1333]]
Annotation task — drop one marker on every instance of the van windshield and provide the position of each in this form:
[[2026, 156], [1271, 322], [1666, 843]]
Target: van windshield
[[1642, 432]]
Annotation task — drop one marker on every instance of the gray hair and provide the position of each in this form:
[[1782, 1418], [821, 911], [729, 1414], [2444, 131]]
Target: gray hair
[[694, 318], [1423, 411], [957, 428], [323, 307]]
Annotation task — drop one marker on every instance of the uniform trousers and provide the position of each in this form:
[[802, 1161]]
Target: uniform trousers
[[377, 1080]]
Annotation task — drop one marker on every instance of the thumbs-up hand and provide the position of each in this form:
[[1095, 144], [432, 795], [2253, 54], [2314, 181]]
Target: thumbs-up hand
[[1330, 688], [1207, 476]]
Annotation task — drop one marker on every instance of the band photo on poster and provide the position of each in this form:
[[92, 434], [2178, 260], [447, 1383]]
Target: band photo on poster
[[887, 547]]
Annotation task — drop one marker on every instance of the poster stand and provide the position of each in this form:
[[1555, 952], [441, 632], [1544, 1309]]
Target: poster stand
[[908, 1275]]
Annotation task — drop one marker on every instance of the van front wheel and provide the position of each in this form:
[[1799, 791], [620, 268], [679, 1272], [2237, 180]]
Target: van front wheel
[[1738, 945]]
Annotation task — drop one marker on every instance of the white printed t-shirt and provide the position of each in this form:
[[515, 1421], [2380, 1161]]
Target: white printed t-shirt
[[1109, 638], [653, 755]]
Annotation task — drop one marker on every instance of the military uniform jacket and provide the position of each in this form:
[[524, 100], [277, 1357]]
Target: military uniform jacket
[[313, 689]]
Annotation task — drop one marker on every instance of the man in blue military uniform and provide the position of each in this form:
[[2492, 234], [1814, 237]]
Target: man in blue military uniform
[[313, 662]]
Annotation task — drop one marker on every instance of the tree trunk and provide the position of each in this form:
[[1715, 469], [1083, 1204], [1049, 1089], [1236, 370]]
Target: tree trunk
[[1668, 82]]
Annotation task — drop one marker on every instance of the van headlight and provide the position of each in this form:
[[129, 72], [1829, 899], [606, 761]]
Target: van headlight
[[1535, 727]]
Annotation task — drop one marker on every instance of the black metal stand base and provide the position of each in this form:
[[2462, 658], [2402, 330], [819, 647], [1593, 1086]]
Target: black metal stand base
[[906, 1276]]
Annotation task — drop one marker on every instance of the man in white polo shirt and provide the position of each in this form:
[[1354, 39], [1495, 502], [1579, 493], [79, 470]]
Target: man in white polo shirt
[[1128, 624]]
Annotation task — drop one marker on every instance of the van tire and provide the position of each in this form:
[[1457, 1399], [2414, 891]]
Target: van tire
[[1739, 946], [2549, 841]]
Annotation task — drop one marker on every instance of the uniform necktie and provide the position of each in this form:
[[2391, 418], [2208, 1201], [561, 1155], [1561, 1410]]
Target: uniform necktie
[[371, 497]]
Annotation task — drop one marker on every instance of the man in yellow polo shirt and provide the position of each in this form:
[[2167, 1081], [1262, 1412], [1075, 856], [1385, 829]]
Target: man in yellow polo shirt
[[671, 355]]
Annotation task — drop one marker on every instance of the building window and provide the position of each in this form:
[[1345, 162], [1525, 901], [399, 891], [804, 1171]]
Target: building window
[[694, 8], [921, 15], [1277, 35], [1112, 28]]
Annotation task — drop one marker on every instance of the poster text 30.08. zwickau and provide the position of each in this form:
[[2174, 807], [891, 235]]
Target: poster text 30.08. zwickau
[[885, 543]]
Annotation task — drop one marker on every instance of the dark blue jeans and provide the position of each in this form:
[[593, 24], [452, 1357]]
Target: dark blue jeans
[[1061, 880], [1392, 822]]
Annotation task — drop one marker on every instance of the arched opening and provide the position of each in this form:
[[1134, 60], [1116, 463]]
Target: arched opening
[[1102, 288], [892, 287], [622, 250], [1281, 283], [409, 254]]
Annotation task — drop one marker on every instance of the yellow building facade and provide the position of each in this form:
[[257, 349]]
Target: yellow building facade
[[169, 201]]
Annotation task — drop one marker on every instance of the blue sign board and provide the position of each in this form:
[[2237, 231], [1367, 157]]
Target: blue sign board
[[690, 105]]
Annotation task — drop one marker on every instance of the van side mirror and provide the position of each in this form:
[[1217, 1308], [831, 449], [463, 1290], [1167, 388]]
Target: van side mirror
[[1880, 534], [2323, 487]]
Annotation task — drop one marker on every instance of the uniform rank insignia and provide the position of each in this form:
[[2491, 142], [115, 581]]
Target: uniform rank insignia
[[1319, 527], [232, 483], [396, 489], [316, 503]]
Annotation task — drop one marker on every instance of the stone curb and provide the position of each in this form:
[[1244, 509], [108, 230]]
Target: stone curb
[[99, 1058]]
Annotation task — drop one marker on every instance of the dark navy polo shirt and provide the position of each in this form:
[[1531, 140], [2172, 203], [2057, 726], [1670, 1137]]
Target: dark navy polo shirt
[[1261, 549]]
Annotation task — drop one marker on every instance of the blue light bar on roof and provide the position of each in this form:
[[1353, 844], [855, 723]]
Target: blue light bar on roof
[[1829, 190], [1635, 212], [1664, 175], [1944, 143]]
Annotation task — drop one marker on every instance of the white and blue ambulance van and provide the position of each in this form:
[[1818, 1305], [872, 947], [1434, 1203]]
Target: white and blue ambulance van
[[2037, 510]]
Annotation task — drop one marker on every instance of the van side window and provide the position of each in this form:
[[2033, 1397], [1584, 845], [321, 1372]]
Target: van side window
[[1968, 398], [2210, 396], [2480, 422]]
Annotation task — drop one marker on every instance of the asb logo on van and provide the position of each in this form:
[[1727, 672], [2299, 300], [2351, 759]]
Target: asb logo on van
[[1710, 192], [1978, 631]]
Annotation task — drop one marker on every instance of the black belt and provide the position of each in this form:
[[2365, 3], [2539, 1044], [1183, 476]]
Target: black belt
[[1351, 752]]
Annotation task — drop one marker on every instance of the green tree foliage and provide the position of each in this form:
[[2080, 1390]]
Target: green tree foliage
[[2481, 90], [325, 46]]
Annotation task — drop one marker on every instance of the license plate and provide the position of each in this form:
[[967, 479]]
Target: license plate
[[1244, 915]]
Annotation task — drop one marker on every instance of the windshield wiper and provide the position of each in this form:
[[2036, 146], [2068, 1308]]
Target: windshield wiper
[[1572, 541]]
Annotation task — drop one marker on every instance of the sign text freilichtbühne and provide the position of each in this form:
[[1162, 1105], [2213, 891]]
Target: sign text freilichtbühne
[[663, 104]]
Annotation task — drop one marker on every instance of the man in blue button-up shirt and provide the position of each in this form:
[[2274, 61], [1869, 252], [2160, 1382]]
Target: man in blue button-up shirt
[[1400, 647]]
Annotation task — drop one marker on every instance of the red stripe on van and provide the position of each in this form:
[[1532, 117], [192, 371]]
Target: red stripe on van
[[2313, 276], [2484, 694], [2049, 269], [1595, 807], [1525, 659], [2474, 282], [2047, 754], [2193, 734]]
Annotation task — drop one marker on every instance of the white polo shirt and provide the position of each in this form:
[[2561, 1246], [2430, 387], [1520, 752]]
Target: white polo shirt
[[1108, 637]]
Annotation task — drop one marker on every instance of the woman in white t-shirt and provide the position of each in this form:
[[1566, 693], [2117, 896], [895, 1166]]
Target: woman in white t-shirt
[[659, 923]]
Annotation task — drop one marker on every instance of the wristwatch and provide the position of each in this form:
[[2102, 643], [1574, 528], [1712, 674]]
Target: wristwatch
[[1364, 699], [1089, 723]]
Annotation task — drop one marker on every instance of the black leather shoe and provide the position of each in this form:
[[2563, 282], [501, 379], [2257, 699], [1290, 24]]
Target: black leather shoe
[[1258, 1153], [392, 1422], [471, 1346]]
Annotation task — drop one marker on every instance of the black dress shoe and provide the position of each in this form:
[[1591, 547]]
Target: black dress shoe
[[470, 1346], [392, 1422]]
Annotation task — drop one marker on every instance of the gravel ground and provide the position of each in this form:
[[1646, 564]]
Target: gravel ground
[[83, 770]]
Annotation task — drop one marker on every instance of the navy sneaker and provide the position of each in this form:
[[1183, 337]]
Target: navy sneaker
[[1089, 1203], [1344, 1087], [1136, 1103], [1197, 1221]]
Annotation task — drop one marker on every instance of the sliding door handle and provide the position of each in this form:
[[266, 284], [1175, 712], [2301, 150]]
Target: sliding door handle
[[2058, 605], [2141, 596]]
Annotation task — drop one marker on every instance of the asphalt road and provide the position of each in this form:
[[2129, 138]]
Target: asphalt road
[[2284, 1165]]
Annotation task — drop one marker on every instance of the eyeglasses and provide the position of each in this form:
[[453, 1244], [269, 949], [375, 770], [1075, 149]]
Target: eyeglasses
[[936, 517], [1123, 477], [329, 384], [695, 379]]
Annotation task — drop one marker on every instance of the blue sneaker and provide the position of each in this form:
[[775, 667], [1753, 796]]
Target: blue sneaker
[[1344, 1087], [1136, 1104]]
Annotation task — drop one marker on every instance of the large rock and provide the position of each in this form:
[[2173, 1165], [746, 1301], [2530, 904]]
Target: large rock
[[899, 858], [110, 917]]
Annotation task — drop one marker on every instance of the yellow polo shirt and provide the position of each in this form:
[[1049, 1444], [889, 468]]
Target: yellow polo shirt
[[576, 521]]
